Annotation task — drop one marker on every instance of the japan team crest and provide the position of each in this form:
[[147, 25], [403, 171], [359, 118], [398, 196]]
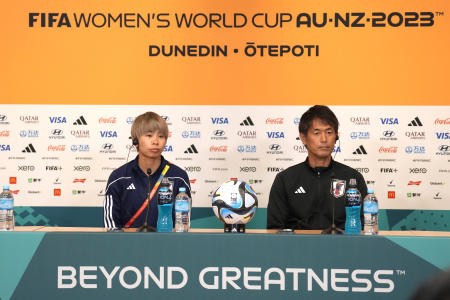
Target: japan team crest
[[337, 188]]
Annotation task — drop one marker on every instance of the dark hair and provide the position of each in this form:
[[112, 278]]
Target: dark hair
[[435, 288], [321, 112]]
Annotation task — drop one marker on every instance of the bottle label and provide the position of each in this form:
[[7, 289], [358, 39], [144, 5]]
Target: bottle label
[[164, 196], [371, 207], [7, 203], [353, 198], [182, 206]]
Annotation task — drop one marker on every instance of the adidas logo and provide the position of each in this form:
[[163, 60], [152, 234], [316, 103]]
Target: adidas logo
[[191, 149], [247, 122], [80, 121], [360, 150], [415, 122], [300, 190], [131, 187], [29, 149]]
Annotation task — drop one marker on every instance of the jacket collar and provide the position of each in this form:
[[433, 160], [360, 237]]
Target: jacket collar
[[136, 168], [319, 169]]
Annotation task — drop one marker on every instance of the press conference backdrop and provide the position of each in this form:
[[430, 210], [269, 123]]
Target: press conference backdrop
[[61, 156], [75, 75]]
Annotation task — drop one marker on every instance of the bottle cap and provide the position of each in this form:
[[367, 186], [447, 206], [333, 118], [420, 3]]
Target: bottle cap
[[6, 187], [369, 191], [182, 189]]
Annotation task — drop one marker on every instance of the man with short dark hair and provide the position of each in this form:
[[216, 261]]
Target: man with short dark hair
[[300, 197]]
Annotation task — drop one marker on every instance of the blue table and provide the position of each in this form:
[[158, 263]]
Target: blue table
[[125, 265]]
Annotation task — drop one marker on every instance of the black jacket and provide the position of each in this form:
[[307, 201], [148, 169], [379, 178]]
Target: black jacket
[[300, 197]]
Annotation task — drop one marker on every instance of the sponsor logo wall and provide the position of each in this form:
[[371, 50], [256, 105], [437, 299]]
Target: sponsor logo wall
[[63, 155]]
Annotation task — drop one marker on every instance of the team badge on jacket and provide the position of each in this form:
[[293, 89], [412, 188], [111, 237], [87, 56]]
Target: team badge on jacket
[[337, 187]]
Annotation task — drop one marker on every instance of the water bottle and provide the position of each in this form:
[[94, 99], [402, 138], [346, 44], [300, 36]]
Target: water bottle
[[352, 209], [370, 213], [182, 211], [165, 205], [6, 210]]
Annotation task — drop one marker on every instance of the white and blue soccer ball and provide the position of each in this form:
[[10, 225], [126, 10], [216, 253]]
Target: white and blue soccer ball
[[234, 202]]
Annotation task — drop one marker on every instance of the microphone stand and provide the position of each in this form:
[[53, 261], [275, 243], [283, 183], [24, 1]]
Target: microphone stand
[[145, 227], [333, 229]]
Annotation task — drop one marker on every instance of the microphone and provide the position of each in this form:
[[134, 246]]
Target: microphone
[[145, 227], [334, 186]]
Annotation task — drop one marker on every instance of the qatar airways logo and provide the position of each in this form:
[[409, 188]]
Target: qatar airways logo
[[360, 120], [80, 133], [191, 120], [29, 119], [275, 121], [303, 280]]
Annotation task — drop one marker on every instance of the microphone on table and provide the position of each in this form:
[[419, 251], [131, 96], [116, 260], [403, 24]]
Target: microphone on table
[[145, 227], [333, 229]]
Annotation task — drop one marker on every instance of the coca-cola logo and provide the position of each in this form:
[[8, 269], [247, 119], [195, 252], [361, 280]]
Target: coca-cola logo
[[218, 149], [392, 149], [110, 120], [442, 121], [276, 121], [56, 148]]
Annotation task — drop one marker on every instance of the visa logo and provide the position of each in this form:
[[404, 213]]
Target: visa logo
[[54, 120], [337, 149], [219, 120], [275, 135], [168, 148], [443, 135], [389, 121], [5, 148], [108, 134]]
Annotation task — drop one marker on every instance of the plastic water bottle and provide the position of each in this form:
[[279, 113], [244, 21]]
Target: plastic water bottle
[[165, 206], [182, 211], [353, 209], [6, 210], [370, 213]]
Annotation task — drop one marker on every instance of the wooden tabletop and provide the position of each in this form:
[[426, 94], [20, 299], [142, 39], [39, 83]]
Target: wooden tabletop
[[207, 230]]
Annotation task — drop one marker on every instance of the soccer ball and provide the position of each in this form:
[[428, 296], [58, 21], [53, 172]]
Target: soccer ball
[[234, 202]]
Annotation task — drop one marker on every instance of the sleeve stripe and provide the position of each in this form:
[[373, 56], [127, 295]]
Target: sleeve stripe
[[110, 212], [115, 181], [107, 219]]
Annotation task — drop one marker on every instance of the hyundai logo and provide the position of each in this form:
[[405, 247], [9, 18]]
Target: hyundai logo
[[2, 118], [57, 131], [219, 132], [165, 118], [107, 146], [388, 133], [444, 148], [274, 147]]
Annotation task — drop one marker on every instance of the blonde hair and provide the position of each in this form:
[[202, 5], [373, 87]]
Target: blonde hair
[[147, 122]]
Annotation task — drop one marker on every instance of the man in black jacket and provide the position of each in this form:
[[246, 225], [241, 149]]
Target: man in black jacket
[[300, 197]]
